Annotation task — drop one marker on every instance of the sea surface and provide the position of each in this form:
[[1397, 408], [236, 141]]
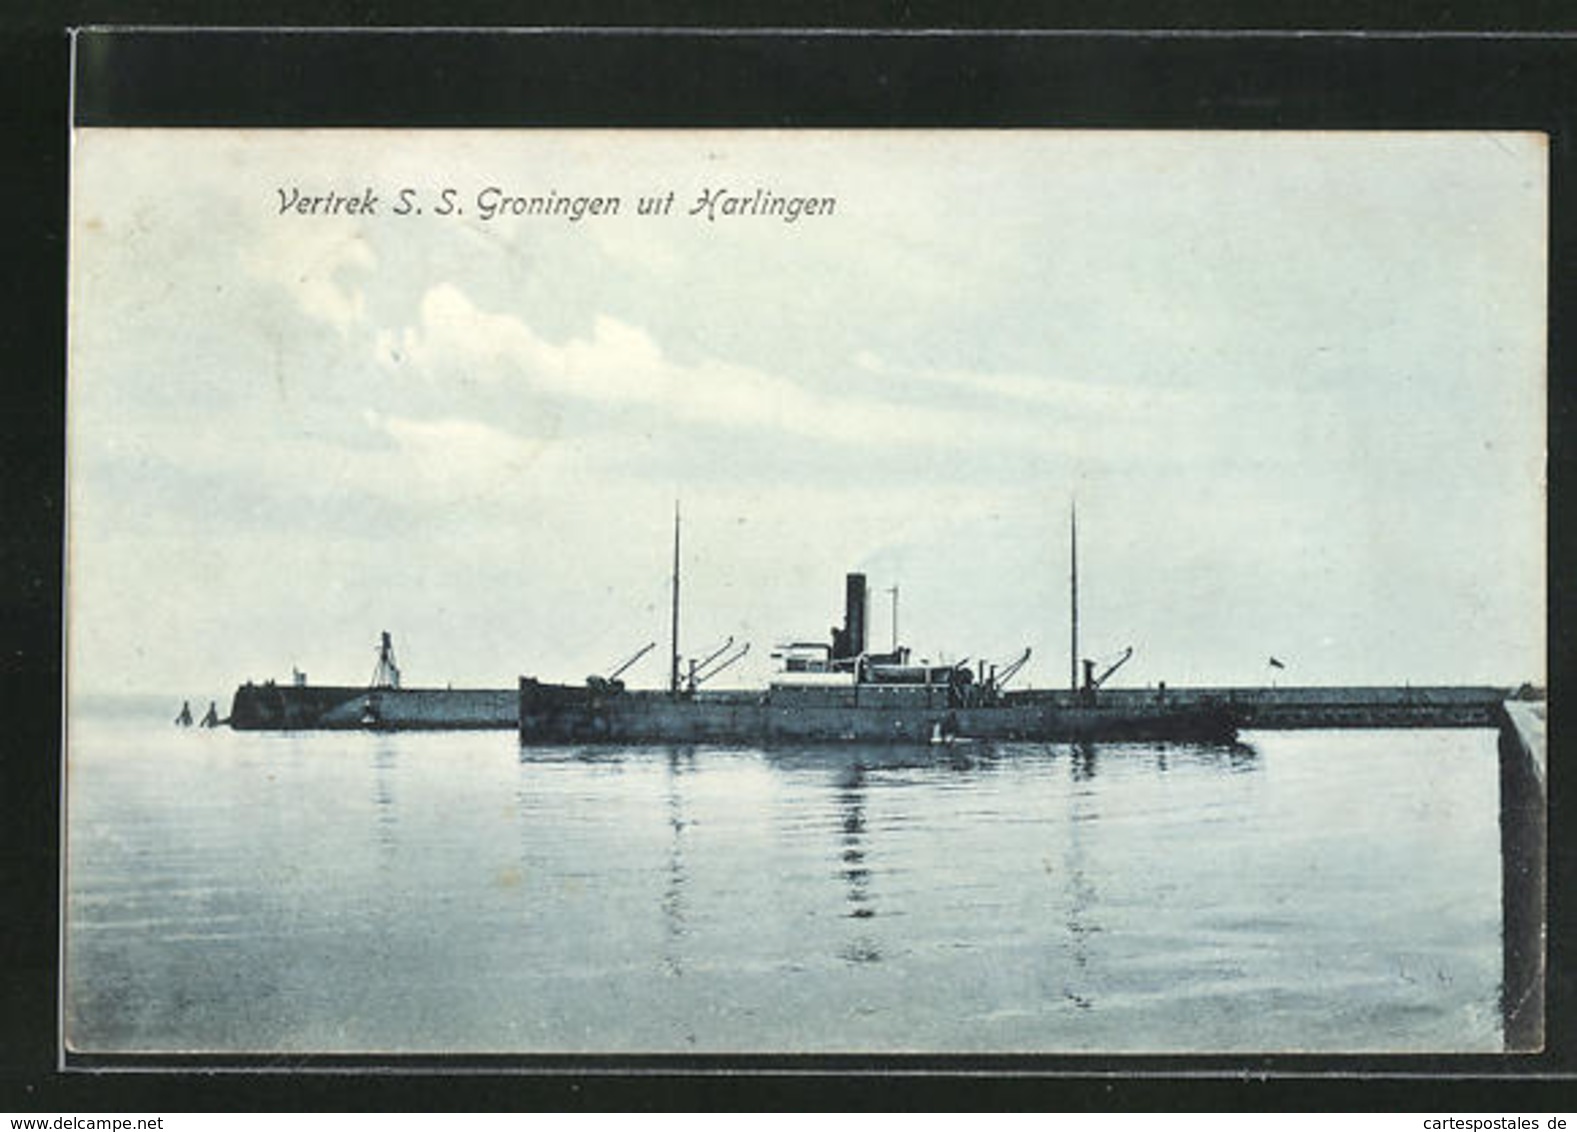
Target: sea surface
[[459, 893]]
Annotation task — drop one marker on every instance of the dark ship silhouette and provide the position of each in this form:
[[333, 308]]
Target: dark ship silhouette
[[841, 691]]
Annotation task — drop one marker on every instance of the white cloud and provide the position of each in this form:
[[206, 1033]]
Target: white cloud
[[454, 458], [1044, 390], [315, 265], [622, 365]]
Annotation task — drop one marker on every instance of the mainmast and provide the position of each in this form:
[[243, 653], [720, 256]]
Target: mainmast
[[1073, 586], [673, 677]]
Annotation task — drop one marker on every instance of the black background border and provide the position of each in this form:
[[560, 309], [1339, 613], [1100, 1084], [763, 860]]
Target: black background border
[[902, 76]]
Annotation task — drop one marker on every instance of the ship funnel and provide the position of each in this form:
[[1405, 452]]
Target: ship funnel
[[854, 614]]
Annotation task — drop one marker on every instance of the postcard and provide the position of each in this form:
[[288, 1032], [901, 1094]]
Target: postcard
[[692, 592]]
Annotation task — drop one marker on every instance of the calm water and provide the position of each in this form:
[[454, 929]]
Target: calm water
[[455, 892]]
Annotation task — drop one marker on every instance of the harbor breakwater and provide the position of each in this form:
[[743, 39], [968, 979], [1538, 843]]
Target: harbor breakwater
[[1321, 708], [1524, 841], [308, 707], [299, 707]]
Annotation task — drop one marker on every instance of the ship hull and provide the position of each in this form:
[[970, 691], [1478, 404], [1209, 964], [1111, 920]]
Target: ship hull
[[551, 714]]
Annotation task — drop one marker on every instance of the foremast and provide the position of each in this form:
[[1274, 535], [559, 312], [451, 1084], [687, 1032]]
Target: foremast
[[1073, 596], [673, 671]]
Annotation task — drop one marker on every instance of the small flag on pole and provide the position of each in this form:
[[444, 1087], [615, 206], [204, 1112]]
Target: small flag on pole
[[1274, 663]]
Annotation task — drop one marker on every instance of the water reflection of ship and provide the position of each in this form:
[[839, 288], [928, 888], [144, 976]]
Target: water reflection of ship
[[1080, 894], [858, 760], [680, 763], [851, 789], [851, 779]]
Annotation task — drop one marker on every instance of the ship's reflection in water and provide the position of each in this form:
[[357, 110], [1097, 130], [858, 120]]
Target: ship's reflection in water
[[850, 796], [1079, 895], [680, 762], [860, 778]]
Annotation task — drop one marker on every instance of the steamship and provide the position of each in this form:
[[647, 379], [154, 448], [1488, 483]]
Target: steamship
[[841, 691]]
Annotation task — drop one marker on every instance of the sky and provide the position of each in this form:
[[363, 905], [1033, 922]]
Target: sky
[[1293, 382]]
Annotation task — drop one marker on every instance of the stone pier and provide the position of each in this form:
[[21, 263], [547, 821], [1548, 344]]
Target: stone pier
[[1523, 848]]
